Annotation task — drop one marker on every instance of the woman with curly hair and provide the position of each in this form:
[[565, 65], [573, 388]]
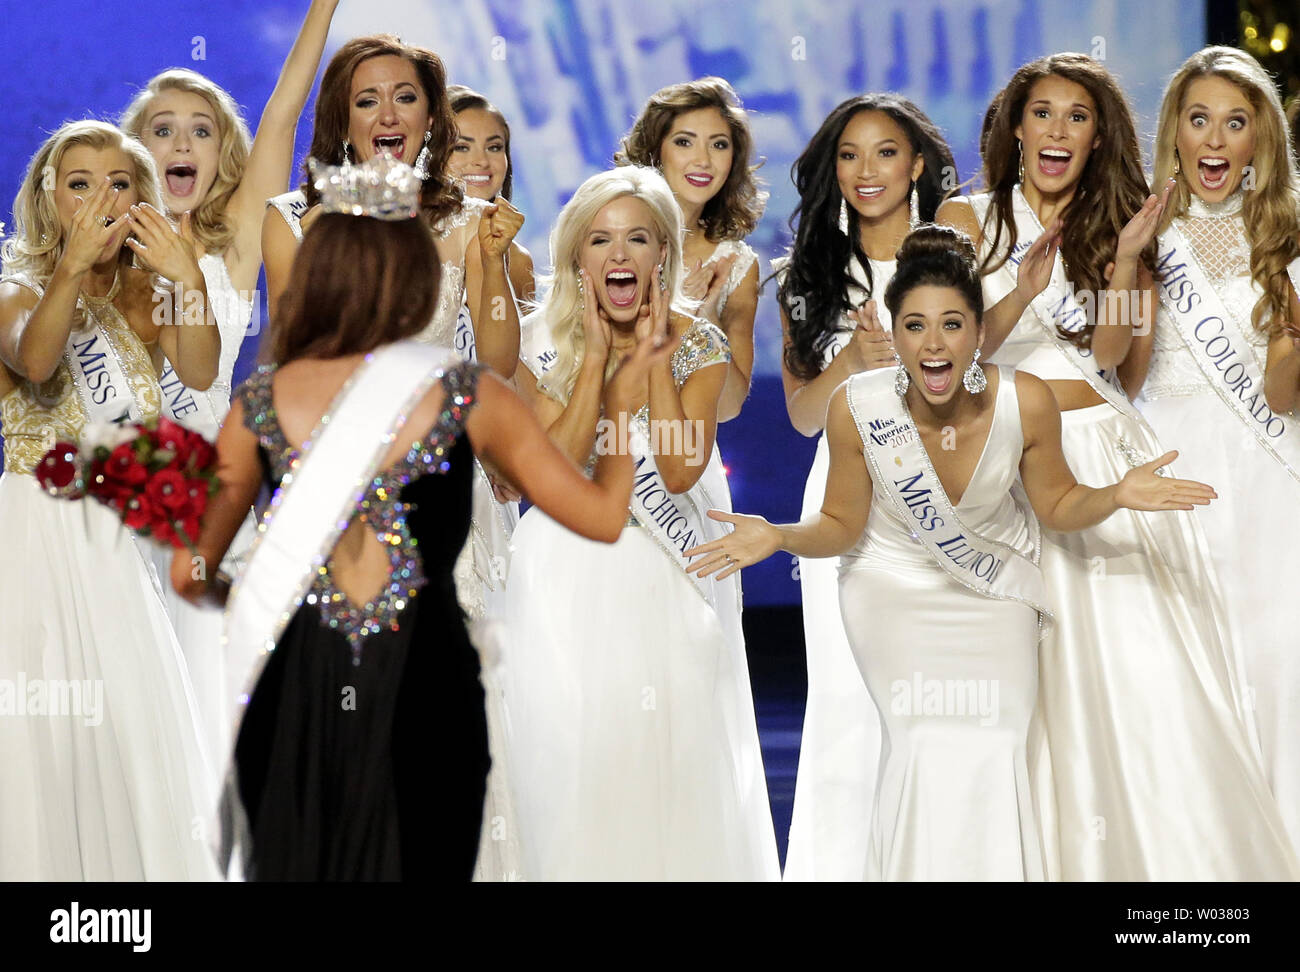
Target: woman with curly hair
[[1225, 370], [1128, 792]]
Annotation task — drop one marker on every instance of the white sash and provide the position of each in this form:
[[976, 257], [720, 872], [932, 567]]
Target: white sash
[[308, 514], [1057, 305], [1220, 350], [292, 206], [901, 467], [184, 405], [463, 343]]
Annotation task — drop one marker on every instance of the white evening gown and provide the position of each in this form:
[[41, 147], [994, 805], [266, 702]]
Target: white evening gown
[[839, 752], [1253, 528], [954, 675], [120, 791], [634, 748], [1146, 760], [200, 629]]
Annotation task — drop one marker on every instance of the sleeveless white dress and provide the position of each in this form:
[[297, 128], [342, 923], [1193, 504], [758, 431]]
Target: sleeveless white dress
[[199, 629], [954, 676], [634, 748], [839, 751], [1148, 769], [116, 786], [1252, 529]]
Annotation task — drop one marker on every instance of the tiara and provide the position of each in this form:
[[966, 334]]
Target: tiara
[[381, 187]]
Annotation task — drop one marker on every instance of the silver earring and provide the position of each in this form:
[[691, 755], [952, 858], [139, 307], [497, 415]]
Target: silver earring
[[663, 283], [844, 216], [347, 152], [901, 378], [915, 206], [1021, 167], [974, 380], [1177, 165], [422, 160]]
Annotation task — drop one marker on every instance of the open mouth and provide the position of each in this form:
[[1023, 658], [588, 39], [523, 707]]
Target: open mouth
[[620, 285], [394, 145], [1213, 172], [937, 375], [869, 192], [699, 179], [1054, 161], [181, 178], [476, 179]]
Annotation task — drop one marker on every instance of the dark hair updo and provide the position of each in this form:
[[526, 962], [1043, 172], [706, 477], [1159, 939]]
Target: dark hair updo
[[936, 256]]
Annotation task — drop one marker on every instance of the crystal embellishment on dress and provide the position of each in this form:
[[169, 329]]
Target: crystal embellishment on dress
[[381, 187]]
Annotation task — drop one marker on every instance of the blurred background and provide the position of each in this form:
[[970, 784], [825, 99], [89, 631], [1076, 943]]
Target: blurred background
[[571, 75]]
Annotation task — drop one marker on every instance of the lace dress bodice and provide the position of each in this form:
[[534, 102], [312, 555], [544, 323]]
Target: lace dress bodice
[[34, 416], [233, 311], [745, 258], [1217, 236]]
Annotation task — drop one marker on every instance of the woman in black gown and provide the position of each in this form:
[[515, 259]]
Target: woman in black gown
[[362, 752]]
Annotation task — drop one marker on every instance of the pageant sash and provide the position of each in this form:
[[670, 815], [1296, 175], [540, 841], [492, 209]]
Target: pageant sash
[[185, 406], [1057, 306], [463, 343], [292, 206], [95, 362], [1220, 350], [900, 466], [307, 515], [676, 521]]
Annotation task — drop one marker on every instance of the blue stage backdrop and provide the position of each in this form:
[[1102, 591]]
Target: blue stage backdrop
[[571, 74]]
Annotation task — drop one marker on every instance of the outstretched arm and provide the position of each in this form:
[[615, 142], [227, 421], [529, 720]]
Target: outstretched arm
[[270, 162], [831, 531], [1061, 502]]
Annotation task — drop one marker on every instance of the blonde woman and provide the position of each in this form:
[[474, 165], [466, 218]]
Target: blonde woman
[[1224, 375], [211, 169], [114, 787], [634, 749]]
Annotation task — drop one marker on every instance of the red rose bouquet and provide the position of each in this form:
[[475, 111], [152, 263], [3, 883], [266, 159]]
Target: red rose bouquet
[[156, 475]]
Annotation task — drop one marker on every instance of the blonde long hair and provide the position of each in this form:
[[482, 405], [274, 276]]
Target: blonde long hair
[[211, 226], [1269, 212], [561, 306], [36, 245]]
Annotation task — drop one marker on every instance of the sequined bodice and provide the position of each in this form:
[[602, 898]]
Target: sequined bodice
[[419, 508], [35, 416], [1217, 236], [702, 345]]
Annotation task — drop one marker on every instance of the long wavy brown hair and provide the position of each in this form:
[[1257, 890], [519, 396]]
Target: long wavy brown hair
[[440, 196], [1110, 191], [1269, 210], [733, 213]]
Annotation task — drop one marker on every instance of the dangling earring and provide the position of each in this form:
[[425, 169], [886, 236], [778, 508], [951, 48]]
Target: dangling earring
[[663, 283], [1178, 167], [914, 209], [901, 378], [1021, 166], [347, 152], [844, 216], [974, 380], [422, 160]]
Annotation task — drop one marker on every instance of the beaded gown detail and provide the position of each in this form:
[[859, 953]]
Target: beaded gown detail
[[332, 754]]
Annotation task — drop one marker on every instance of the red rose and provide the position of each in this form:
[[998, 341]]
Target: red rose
[[167, 489], [163, 533], [58, 468], [123, 468], [196, 492], [191, 527], [175, 439], [202, 453], [140, 512]]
